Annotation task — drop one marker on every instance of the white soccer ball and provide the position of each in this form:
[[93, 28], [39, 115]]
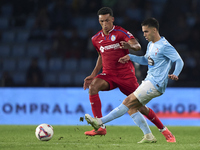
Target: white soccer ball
[[44, 132]]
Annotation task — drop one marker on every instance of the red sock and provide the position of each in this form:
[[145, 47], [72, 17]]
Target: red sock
[[96, 105], [154, 119]]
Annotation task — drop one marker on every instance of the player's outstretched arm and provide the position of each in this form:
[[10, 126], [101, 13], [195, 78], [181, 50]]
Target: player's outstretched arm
[[124, 59], [138, 59], [142, 60]]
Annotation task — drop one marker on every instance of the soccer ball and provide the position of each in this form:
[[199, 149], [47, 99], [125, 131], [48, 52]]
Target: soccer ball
[[44, 132]]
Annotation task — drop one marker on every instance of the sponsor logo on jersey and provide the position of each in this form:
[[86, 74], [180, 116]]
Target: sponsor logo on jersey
[[150, 61], [113, 38], [112, 46]]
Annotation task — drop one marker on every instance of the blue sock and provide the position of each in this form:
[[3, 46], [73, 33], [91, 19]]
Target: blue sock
[[115, 113], [141, 122]]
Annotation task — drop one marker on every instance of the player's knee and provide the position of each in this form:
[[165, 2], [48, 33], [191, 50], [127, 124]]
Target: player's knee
[[132, 111], [93, 89], [131, 102]]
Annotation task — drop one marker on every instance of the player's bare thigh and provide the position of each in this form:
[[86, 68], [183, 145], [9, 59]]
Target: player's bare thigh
[[132, 103], [97, 85]]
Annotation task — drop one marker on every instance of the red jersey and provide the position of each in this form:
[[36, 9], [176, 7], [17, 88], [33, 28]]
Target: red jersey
[[109, 48]]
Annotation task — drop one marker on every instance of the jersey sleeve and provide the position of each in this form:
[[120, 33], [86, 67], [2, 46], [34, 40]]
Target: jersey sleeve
[[126, 35], [94, 44], [178, 67], [138, 59], [171, 53]]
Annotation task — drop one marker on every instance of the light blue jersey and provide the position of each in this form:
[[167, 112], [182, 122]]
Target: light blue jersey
[[159, 58]]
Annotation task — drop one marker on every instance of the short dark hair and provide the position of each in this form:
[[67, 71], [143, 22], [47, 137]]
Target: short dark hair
[[104, 11], [151, 22]]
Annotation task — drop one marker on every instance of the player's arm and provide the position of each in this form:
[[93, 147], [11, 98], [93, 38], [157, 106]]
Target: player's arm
[[131, 44], [88, 79], [173, 55], [98, 66], [177, 70], [138, 59]]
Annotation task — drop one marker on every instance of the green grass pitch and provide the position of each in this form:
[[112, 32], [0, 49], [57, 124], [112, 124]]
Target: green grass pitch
[[21, 137]]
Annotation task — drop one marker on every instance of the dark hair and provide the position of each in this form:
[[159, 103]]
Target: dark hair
[[151, 22], [104, 11]]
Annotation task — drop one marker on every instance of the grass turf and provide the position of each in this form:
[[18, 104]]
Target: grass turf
[[15, 137]]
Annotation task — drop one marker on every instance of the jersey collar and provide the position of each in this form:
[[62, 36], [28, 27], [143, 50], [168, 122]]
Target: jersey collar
[[108, 32]]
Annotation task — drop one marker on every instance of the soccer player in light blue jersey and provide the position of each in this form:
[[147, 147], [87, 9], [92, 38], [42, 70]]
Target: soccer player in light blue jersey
[[159, 57]]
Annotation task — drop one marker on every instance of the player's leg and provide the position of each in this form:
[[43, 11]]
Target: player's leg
[[139, 119], [141, 122], [143, 94], [151, 92], [129, 87], [115, 113], [151, 115], [130, 102], [97, 85]]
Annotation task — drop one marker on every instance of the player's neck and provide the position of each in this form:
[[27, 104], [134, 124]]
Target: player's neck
[[157, 38], [107, 32]]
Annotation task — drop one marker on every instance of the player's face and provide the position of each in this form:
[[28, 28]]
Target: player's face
[[149, 33], [106, 22]]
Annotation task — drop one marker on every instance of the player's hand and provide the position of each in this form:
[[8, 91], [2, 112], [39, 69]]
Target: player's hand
[[124, 45], [124, 59], [87, 82], [173, 77]]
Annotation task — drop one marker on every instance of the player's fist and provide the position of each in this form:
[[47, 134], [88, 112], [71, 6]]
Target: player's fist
[[124, 59], [173, 77], [87, 82], [124, 45]]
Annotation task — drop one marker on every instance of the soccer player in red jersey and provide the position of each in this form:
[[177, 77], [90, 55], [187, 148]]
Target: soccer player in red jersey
[[111, 43]]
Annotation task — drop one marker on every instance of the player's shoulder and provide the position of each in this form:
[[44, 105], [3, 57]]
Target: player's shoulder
[[163, 41], [96, 35], [119, 28], [164, 44]]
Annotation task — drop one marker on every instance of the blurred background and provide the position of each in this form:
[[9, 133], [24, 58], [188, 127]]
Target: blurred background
[[47, 43]]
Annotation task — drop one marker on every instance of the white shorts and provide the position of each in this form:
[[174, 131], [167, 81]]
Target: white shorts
[[145, 92]]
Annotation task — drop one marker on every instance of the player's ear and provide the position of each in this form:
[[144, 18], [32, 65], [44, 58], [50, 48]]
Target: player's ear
[[113, 19], [154, 30]]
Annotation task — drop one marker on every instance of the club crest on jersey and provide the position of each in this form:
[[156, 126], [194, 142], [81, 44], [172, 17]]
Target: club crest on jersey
[[156, 51], [113, 38]]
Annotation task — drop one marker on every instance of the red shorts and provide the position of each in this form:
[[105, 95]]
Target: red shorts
[[126, 83]]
